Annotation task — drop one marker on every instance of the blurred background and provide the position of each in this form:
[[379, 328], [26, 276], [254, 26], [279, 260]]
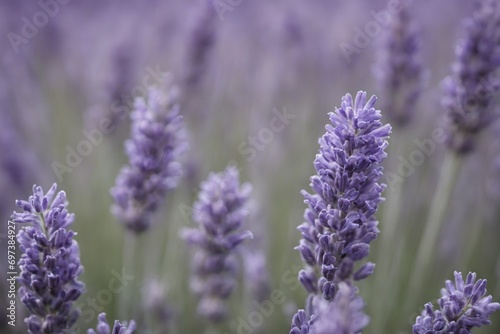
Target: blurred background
[[67, 66]]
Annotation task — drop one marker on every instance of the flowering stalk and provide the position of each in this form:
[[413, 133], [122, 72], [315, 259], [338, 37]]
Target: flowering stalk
[[469, 102], [399, 69], [220, 210], [344, 315], [469, 92], [118, 328], [340, 221], [462, 306], [50, 262], [156, 144]]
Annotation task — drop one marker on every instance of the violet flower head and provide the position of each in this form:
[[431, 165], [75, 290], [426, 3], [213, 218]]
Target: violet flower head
[[118, 328], [340, 222], [463, 305], [343, 315], [200, 44], [50, 262], [469, 92], [220, 210], [300, 323], [154, 149], [399, 69]]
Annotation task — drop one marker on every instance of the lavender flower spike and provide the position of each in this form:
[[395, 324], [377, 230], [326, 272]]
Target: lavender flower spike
[[50, 262], [399, 68], [118, 328], [343, 315], [463, 305], [156, 144], [340, 223], [469, 92], [220, 210]]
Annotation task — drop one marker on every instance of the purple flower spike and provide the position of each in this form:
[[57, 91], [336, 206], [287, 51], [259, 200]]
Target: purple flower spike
[[340, 223], [399, 69], [118, 328], [469, 92], [343, 315], [50, 262], [462, 306], [220, 211], [156, 144]]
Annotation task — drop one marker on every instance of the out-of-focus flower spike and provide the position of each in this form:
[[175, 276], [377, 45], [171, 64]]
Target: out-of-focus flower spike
[[157, 142], [469, 92], [220, 211], [398, 68]]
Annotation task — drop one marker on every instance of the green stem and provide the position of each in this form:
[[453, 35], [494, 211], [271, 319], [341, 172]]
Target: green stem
[[439, 206], [129, 252], [386, 254]]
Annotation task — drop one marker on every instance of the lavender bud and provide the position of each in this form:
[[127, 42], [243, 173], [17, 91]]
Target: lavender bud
[[118, 328], [50, 263], [463, 305], [340, 220], [220, 210], [469, 92], [399, 68], [156, 144], [343, 315]]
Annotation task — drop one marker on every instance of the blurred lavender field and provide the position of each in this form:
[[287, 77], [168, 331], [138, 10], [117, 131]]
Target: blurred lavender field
[[255, 82]]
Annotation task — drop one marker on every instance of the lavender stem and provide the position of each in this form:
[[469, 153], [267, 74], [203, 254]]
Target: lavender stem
[[439, 205]]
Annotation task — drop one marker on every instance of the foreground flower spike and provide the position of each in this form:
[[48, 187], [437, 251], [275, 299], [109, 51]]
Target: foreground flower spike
[[343, 315], [470, 90], [156, 144], [50, 262], [340, 220], [220, 210], [118, 328], [399, 69], [463, 305]]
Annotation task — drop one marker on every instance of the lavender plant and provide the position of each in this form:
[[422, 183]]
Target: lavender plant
[[118, 328], [399, 69], [154, 149], [50, 262], [344, 315], [220, 211], [340, 221], [462, 307], [470, 90], [469, 103]]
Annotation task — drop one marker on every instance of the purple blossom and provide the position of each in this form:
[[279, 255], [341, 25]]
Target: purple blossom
[[300, 323], [343, 315], [50, 262], [200, 44], [463, 305], [220, 210], [340, 222], [399, 69], [118, 328], [470, 90], [156, 144]]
